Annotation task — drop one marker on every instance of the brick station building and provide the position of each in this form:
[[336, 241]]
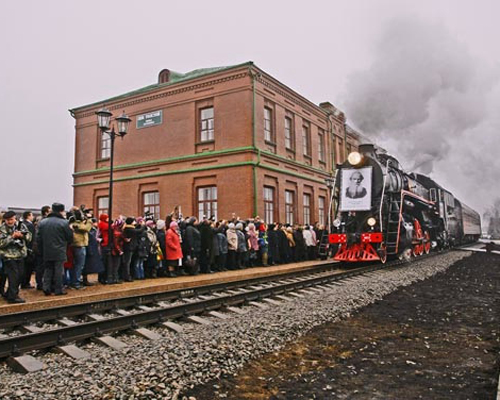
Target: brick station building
[[214, 142]]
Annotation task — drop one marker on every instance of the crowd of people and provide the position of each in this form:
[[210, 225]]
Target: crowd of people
[[63, 248]]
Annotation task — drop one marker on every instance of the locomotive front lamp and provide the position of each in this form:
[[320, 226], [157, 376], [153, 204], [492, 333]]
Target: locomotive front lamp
[[354, 158], [371, 221], [336, 223]]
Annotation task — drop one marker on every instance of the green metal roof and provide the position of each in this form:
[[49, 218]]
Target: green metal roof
[[175, 77]]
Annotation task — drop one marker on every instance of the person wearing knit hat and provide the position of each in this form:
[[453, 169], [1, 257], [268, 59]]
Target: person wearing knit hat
[[173, 250]]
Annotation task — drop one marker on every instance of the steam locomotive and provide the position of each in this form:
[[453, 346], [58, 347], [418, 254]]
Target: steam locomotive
[[382, 211]]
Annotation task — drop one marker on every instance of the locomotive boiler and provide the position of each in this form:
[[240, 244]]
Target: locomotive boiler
[[382, 211]]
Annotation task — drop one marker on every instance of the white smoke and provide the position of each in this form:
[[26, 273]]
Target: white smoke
[[429, 101]]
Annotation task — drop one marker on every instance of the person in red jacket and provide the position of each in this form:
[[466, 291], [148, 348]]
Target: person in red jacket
[[102, 237], [173, 248]]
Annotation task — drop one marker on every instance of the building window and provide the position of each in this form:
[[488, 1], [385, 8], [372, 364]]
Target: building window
[[289, 206], [307, 208], [268, 125], [151, 204], [340, 151], [321, 210], [321, 146], [207, 202], [268, 205], [306, 140], [289, 142], [105, 145], [102, 205], [207, 124]]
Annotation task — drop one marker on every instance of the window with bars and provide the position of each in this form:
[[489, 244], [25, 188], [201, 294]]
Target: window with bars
[[102, 205], [269, 204], [105, 145], [207, 124], [289, 206], [207, 202], [307, 208], [289, 142], [321, 146], [321, 210], [151, 204], [306, 141], [268, 125]]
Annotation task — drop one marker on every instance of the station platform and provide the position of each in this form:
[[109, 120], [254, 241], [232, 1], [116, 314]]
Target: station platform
[[36, 300]]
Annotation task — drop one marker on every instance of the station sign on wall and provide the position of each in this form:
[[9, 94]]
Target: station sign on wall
[[149, 119]]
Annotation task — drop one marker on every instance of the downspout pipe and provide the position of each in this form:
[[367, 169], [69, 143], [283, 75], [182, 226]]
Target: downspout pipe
[[254, 141]]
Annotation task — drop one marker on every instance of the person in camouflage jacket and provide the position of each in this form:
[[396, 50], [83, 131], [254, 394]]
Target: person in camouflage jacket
[[13, 251]]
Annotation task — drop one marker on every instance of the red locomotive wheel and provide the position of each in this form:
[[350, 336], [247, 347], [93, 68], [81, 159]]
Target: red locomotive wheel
[[427, 242]]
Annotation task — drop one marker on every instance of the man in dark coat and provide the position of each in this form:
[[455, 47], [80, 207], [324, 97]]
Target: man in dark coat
[[29, 261], [193, 242], [54, 235], [206, 242], [273, 245]]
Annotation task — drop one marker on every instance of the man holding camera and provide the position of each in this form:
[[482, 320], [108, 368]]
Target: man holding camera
[[13, 250], [81, 225]]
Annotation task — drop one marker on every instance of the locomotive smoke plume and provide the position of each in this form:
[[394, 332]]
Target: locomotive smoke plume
[[433, 105]]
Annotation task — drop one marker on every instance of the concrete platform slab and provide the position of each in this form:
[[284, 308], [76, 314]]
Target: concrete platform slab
[[72, 351], [172, 326], [24, 364], [111, 342]]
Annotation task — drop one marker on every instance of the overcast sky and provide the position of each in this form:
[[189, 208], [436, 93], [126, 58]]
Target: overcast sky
[[422, 78]]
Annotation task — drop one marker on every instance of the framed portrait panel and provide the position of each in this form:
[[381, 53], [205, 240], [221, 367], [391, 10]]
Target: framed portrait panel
[[356, 189]]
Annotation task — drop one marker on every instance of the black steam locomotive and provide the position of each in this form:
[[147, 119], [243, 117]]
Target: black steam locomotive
[[382, 211]]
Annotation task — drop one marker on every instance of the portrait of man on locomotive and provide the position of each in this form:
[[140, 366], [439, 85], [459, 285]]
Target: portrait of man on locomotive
[[382, 211], [355, 189]]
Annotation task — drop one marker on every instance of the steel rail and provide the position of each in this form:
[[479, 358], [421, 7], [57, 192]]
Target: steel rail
[[16, 345], [74, 310]]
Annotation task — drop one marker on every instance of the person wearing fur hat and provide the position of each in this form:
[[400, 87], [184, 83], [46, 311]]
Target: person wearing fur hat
[[173, 250], [54, 236]]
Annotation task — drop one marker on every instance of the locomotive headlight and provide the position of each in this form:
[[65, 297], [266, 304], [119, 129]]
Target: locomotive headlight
[[336, 223], [371, 221], [354, 158]]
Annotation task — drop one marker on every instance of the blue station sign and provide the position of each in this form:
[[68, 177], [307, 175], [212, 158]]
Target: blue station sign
[[150, 119]]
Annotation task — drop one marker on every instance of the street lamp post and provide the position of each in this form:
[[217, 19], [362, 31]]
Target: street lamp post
[[330, 183], [104, 121]]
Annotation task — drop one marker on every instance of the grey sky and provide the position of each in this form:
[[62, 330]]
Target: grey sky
[[62, 54]]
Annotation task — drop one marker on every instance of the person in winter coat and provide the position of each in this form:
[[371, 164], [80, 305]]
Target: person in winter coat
[[81, 227], [253, 245], [173, 248], [283, 244], [54, 236], [193, 244], [116, 253], [93, 262], [206, 253], [309, 240], [242, 253], [161, 236], [102, 237], [232, 246], [151, 264], [300, 244], [13, 250], [222, 248], [263, 244], [130, 234], [142, 249], [273, 252], [291, 244]]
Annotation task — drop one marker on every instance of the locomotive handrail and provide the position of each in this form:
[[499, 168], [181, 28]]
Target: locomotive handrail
[[383, 193]]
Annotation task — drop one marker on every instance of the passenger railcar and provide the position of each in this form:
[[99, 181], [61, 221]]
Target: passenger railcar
[[382, 211]]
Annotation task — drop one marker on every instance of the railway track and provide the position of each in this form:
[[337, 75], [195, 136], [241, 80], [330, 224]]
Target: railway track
[[23, 333]]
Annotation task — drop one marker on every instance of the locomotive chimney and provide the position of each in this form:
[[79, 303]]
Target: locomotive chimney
[[367, 148]]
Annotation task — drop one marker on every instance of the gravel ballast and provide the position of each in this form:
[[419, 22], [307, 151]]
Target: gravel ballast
[[172, 365]]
